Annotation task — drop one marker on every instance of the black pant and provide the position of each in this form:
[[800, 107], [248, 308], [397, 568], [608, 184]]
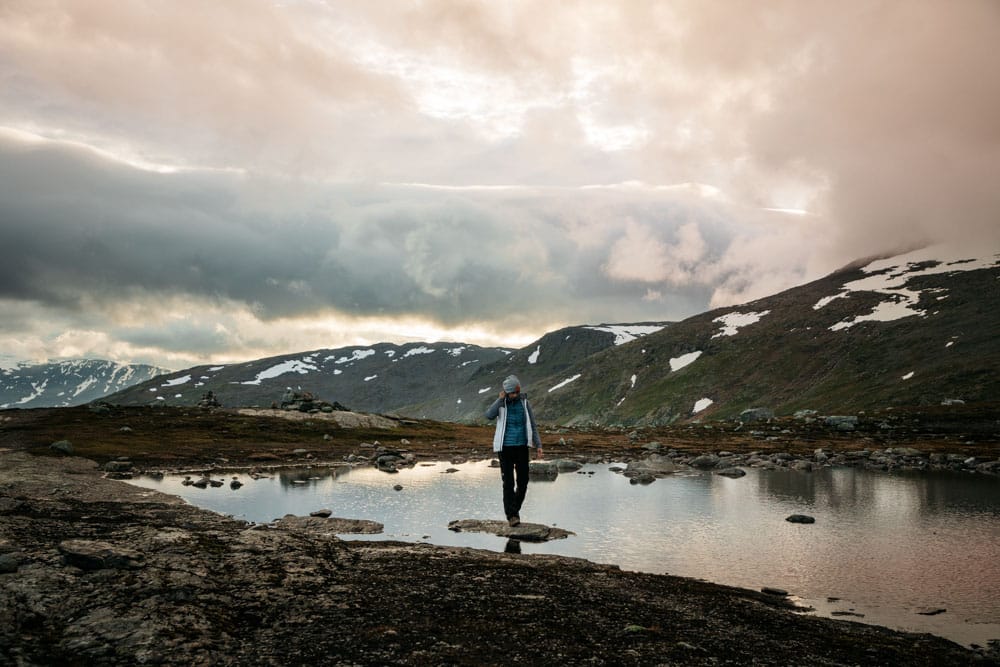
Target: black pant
[[514, 467]]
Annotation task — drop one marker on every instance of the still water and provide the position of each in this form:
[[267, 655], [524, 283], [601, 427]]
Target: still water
[[884, 545]]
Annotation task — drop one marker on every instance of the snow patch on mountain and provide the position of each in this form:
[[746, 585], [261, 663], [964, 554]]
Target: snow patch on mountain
[[733, 322], [84, 386], [418, 350], [290, 366], [891, 276], [701, 404], [533, 357], [565, 382], [680, 362], [184, 379], [626, 333], [357, 355]]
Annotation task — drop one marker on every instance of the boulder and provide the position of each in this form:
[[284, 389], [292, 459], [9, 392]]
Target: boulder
[[756, 414], [733, 473], [95, 555], [529, 532], [802, 466], [118, 466], [545, 469], [906, 451], [63, 447], [654, 464], [704, 462], [642, 478], [842, 422], [800, 518], [324, 513], [989, 467], [567, 465]]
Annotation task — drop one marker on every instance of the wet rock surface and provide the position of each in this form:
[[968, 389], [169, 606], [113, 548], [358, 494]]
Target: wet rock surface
[[187, 586]]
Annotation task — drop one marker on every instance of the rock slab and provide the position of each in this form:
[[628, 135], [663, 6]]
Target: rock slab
[[332, 525], [529, 532]]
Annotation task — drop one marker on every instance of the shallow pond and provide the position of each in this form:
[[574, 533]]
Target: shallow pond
[[887, 546]]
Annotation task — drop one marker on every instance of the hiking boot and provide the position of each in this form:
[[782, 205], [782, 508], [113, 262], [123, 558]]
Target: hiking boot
[[514, 520]]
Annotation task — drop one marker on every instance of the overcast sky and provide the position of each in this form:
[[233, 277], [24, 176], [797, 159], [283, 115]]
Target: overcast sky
[[188, 182]]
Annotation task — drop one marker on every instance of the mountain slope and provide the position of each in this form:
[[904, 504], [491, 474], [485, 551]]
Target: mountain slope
[[917, 329], [66, 383]]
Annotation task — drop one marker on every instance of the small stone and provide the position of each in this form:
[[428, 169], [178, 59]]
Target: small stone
[[9, 563], [800, 518], [235, 484], [323, 513], [931, 611], [398, 487], [734, 473], [63, 447]]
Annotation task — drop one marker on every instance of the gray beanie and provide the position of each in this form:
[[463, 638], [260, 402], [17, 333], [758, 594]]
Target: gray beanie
[[511, 383]]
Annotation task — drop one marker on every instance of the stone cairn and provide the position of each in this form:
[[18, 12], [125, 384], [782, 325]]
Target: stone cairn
[[304, 401], [209, 400]]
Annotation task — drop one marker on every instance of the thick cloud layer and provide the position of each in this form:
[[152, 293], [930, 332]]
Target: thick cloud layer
[[184, 182]]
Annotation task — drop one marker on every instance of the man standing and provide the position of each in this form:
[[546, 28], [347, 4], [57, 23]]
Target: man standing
[[516, 432]]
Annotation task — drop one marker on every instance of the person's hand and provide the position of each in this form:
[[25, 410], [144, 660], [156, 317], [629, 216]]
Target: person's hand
[[538, 452], [502, 393]]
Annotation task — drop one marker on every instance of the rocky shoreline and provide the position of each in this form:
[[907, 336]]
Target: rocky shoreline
[[99, 572]]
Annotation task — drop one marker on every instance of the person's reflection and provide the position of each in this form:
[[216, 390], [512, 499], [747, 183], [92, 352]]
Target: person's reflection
[[513, 546]]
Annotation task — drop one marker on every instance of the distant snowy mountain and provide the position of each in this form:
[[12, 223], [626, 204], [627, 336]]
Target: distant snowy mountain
[[66, 383], [446, 381]]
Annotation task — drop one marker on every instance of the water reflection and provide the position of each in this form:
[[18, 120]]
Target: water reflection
[[887, 545]]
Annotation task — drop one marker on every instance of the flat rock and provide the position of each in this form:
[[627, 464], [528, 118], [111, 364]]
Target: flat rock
[[733, 473], [331, 525], [343, 418], [529, 532], [800, 518]]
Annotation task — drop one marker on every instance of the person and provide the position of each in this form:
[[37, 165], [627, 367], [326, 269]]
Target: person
[[516, 433]]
